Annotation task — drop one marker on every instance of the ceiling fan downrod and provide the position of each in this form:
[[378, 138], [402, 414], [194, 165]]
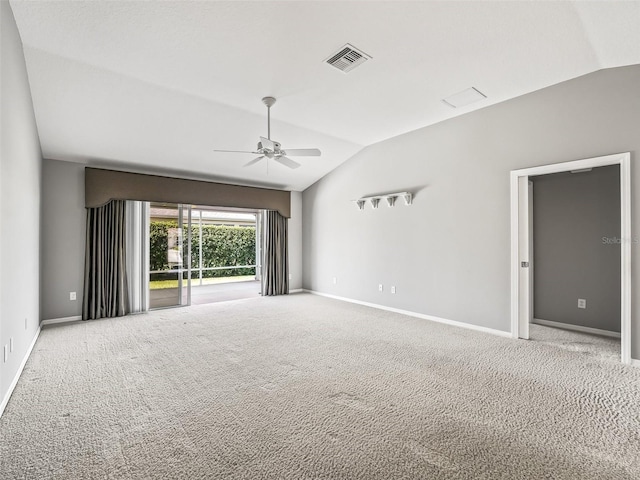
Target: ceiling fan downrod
[[269, 101]]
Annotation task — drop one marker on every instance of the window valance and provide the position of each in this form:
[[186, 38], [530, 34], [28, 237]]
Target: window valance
[[102, 185]]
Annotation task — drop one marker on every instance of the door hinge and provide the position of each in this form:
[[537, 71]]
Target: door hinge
[[524, 264]]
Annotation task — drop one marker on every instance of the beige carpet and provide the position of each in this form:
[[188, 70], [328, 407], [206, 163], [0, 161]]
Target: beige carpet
[[303, 387]]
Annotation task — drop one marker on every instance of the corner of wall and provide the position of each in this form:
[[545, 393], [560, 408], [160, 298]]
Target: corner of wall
[[7, 395]]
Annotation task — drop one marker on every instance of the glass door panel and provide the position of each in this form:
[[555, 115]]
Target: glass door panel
[[169, 269]]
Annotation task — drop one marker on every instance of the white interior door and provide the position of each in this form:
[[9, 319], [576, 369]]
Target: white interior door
[[525, 283], [531, 254]]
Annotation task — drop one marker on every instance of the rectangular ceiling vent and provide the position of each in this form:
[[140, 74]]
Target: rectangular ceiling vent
[[464, 98], [348, 58]]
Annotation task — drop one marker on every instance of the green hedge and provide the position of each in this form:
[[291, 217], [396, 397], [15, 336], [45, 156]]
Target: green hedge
[[221, 246]]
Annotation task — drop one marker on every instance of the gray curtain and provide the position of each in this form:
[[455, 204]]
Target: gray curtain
[[275, 261], [105, 281]]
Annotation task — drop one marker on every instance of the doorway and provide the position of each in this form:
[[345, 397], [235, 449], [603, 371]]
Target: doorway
[[225, 255], [521, 251], [200, 254]]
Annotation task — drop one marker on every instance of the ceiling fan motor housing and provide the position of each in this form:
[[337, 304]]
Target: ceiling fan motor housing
[[276, 146]]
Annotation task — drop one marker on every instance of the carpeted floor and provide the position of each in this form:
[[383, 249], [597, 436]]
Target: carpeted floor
[[303, 387]]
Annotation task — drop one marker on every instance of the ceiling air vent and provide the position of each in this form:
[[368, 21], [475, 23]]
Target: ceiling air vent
[[464, 98], [348, 58]]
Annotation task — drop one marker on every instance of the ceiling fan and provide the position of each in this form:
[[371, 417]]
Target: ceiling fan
[[271, 150]]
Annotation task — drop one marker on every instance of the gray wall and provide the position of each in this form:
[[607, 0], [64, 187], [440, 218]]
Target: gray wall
[[449, 252], [20, 164], [572, 214], [295, 242], [63, 238]]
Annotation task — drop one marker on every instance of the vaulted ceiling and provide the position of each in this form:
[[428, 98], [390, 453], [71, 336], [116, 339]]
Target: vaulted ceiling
[[157, 86]]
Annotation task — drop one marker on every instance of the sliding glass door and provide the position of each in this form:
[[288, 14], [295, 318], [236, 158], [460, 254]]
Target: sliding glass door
[[201, 254], [170, 255]]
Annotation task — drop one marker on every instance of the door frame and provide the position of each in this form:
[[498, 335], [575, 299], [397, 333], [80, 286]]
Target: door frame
[[521, 297]]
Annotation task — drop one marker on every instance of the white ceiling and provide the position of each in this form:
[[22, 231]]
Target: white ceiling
[[159, 85]]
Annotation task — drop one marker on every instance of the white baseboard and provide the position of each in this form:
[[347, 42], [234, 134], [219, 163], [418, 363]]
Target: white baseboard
[[51, 321], [409, 313], [7, 396], [635, 363], [297, 290], [576, 328]]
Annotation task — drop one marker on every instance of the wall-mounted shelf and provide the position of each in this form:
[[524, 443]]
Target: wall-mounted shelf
[[389, 197]]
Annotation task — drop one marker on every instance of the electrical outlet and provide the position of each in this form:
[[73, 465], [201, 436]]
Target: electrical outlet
[[290, 276], [582, 303], [72, 295], [393, 289], [335, 280], [380, 287], [11, 344]]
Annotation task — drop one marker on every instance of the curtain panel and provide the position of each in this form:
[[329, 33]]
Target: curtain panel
[[105, 281], [137, 255], [275, 262]]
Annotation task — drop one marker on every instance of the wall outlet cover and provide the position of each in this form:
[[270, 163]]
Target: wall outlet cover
[[72, 295], [582, 303]]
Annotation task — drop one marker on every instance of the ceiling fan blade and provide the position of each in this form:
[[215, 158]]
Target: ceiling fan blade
[[303, 152], [237, 151], [287, 162], [266, 143], [255, 160]]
